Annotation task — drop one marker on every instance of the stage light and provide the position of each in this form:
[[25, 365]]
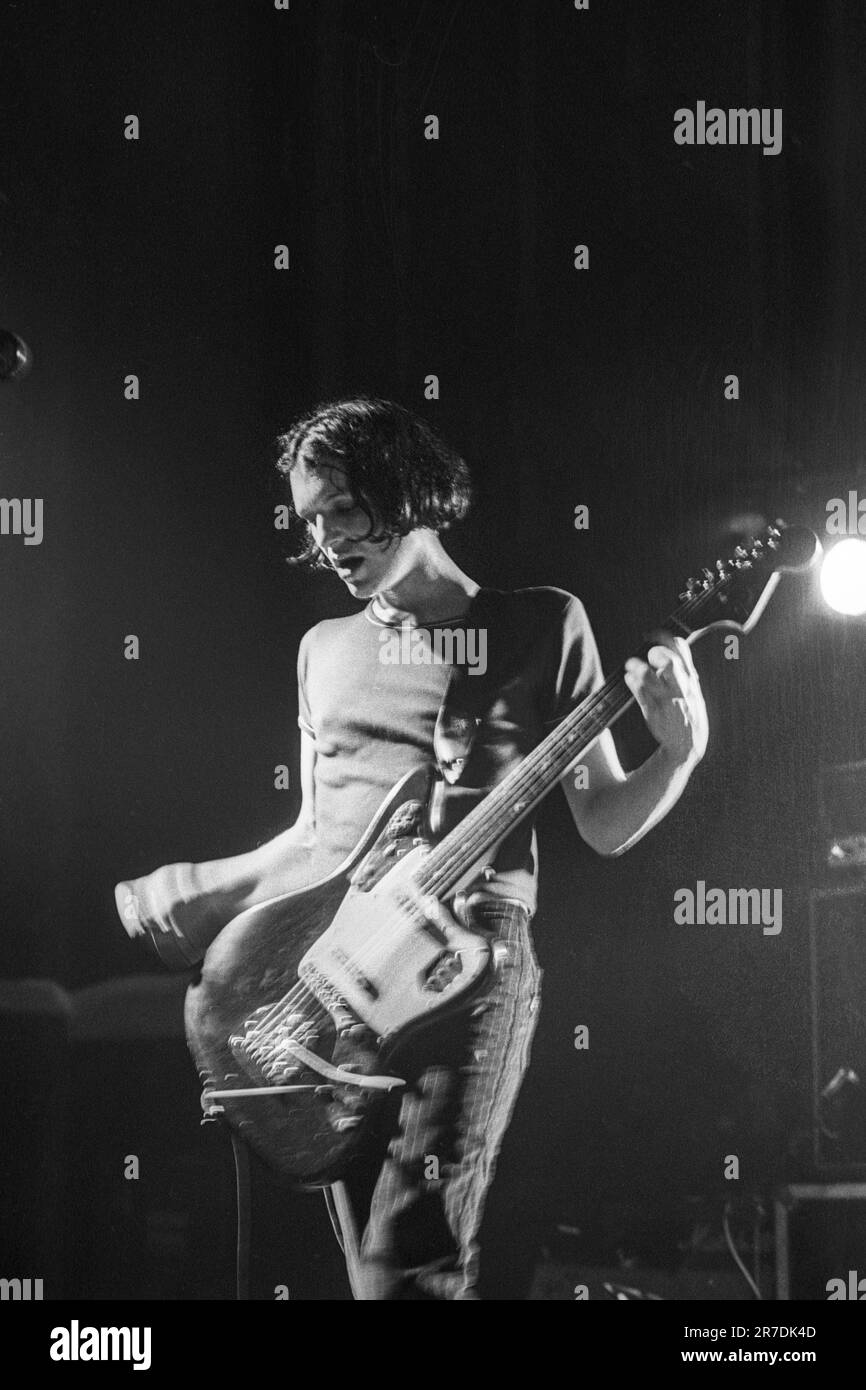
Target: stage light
[[16, 359], [843, 577]]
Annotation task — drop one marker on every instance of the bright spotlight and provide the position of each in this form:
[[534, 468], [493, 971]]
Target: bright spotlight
[[843, 577]]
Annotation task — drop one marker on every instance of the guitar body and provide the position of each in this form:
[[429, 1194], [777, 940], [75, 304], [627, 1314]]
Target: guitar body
[[303, 1001], [326, 980]]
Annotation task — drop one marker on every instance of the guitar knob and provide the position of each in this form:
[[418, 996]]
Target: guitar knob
[[346, 1122]]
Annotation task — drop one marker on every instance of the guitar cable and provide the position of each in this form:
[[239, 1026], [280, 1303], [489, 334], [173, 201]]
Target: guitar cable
[[328, 1195], [346, 1230], [242, 1249]]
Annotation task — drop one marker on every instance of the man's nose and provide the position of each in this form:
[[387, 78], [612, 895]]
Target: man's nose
[[327, 530]]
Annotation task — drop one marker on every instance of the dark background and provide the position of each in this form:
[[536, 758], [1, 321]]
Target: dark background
[[605, 387]]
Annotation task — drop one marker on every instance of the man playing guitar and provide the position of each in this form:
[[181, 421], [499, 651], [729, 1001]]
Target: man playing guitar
[[373, 487]]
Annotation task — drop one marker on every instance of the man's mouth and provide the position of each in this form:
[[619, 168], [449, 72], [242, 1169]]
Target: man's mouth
[[347, 564]]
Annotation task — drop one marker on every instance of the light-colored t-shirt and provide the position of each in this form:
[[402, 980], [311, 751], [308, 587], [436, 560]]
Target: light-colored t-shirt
[[372, 719]]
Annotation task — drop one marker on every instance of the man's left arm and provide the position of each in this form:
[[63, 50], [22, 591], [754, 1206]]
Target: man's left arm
[[616, 808]]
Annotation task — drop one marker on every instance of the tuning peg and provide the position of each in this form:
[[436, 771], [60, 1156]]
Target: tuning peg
[[708, 578], [722, 569]]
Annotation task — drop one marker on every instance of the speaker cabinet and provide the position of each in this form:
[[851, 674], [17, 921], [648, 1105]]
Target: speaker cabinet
[[821, 1241], [837, 931]]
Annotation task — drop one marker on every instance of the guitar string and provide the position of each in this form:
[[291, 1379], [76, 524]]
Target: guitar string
[[267, 1027], [483, 832], [532, 774], [532, 770], [266, 1034], [486, 814]]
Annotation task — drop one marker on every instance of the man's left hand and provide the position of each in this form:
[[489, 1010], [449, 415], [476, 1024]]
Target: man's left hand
[[668, 690]]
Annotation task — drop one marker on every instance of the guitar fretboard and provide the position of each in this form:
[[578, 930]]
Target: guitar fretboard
[[518, 794]]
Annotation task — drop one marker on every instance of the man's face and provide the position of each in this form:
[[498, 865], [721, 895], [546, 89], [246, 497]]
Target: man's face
[[338, 527]]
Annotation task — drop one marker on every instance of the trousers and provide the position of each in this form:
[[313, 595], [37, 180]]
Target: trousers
[[417, 1193]]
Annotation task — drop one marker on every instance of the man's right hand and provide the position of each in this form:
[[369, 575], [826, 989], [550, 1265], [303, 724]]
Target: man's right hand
[[178, 909]]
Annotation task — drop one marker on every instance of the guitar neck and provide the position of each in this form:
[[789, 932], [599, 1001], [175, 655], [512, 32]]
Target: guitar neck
[[518, 794], [734, 596]]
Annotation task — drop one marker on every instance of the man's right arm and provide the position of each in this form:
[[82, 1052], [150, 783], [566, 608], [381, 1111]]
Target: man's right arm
[[198, 900]]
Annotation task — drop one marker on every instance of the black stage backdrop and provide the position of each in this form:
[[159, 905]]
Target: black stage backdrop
[[412, 257]]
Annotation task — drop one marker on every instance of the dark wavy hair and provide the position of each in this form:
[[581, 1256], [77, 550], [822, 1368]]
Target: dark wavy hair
[[398, 471]]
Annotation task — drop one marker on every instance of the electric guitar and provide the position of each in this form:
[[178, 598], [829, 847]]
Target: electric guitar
[[304, 1000]]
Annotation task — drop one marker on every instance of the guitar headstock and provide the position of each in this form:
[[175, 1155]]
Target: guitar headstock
[[736, 592]]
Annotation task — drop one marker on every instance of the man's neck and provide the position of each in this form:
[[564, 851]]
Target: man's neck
[[430, 594]]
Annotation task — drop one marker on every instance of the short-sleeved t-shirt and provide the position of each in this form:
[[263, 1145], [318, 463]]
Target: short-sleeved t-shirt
[[372, 720]]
